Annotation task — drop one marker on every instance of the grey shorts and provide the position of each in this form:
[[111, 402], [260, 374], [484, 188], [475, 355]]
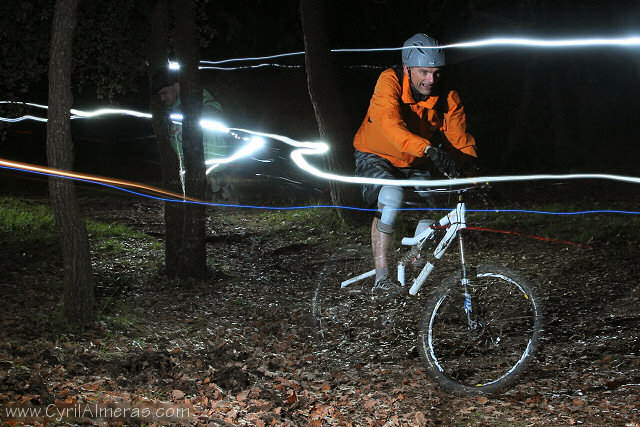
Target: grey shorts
[[373, 166]]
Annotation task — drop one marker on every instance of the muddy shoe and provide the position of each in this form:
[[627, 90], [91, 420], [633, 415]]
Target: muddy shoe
[[386, 288]]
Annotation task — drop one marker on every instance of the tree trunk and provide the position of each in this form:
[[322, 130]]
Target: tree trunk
[[173, 212], [326, 98], [193, 263], [78, 296]]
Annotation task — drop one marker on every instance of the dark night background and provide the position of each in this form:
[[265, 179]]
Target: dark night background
[[531, 110]]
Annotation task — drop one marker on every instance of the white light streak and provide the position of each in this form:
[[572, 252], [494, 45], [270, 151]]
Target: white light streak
[[303, 149], [254, 144], [516, 41], [248, 67], [79, 114], [630, 41], [25, 117], [21, 118], [75, 114], [529, 42], [275, 65], [315, 147], [30, 104], [279, 55], [174, 65], [318, 148], [213, 125]]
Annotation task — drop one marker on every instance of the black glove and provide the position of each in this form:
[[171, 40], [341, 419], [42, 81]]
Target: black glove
[[442, 160]]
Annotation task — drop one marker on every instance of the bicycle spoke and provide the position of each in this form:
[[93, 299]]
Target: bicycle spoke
[[506, 323]]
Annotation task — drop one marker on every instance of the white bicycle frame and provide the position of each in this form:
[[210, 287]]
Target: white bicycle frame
[[456, 220]]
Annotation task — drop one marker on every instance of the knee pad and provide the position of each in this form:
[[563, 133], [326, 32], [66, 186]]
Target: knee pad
[[389, 201]]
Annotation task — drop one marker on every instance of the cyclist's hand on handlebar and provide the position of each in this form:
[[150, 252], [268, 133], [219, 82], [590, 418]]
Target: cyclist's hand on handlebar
[[442, 160]]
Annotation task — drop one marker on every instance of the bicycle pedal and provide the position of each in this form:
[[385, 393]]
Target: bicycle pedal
[[423, 224]]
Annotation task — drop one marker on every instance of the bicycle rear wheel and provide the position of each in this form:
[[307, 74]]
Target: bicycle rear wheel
[[351, 328], [487, 351]]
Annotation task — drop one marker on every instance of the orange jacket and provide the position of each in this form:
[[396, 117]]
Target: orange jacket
[[398, 128]]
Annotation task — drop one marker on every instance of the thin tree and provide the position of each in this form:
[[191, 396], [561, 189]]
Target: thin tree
[[193, 256], [78, 296], [157, 49], [185, 248], [327, 98]]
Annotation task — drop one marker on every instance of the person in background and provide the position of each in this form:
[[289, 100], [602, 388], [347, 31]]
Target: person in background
[[411, 130], [165, 84]]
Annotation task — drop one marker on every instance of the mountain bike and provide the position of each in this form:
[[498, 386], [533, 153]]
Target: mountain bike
[[478, 330]]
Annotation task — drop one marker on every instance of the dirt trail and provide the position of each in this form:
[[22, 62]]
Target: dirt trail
[[239, 349]]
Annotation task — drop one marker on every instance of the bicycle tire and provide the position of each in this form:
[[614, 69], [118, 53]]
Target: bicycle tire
[[491, 357], [349, 326]]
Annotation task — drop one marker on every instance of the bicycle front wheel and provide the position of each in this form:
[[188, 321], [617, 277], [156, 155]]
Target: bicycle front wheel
[[485, 349]]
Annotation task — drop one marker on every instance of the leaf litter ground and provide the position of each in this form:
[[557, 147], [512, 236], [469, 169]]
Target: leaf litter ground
[[240, 348]]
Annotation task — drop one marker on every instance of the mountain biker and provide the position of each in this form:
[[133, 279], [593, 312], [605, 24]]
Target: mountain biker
[[411, 130]]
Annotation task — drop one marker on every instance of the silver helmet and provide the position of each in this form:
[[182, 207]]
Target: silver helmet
[[417, 57]]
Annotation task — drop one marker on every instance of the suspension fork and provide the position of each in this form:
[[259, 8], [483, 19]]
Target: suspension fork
[[463, 263], [464, 279]]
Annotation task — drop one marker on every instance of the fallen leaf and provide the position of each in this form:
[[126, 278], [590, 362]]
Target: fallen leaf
[[579, 402], [242, 396], [421, 420], [90, 387], [369, 404], [177, 394], [293, 398]]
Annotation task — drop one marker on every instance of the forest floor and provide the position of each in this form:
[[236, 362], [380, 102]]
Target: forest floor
[[240, 348]]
